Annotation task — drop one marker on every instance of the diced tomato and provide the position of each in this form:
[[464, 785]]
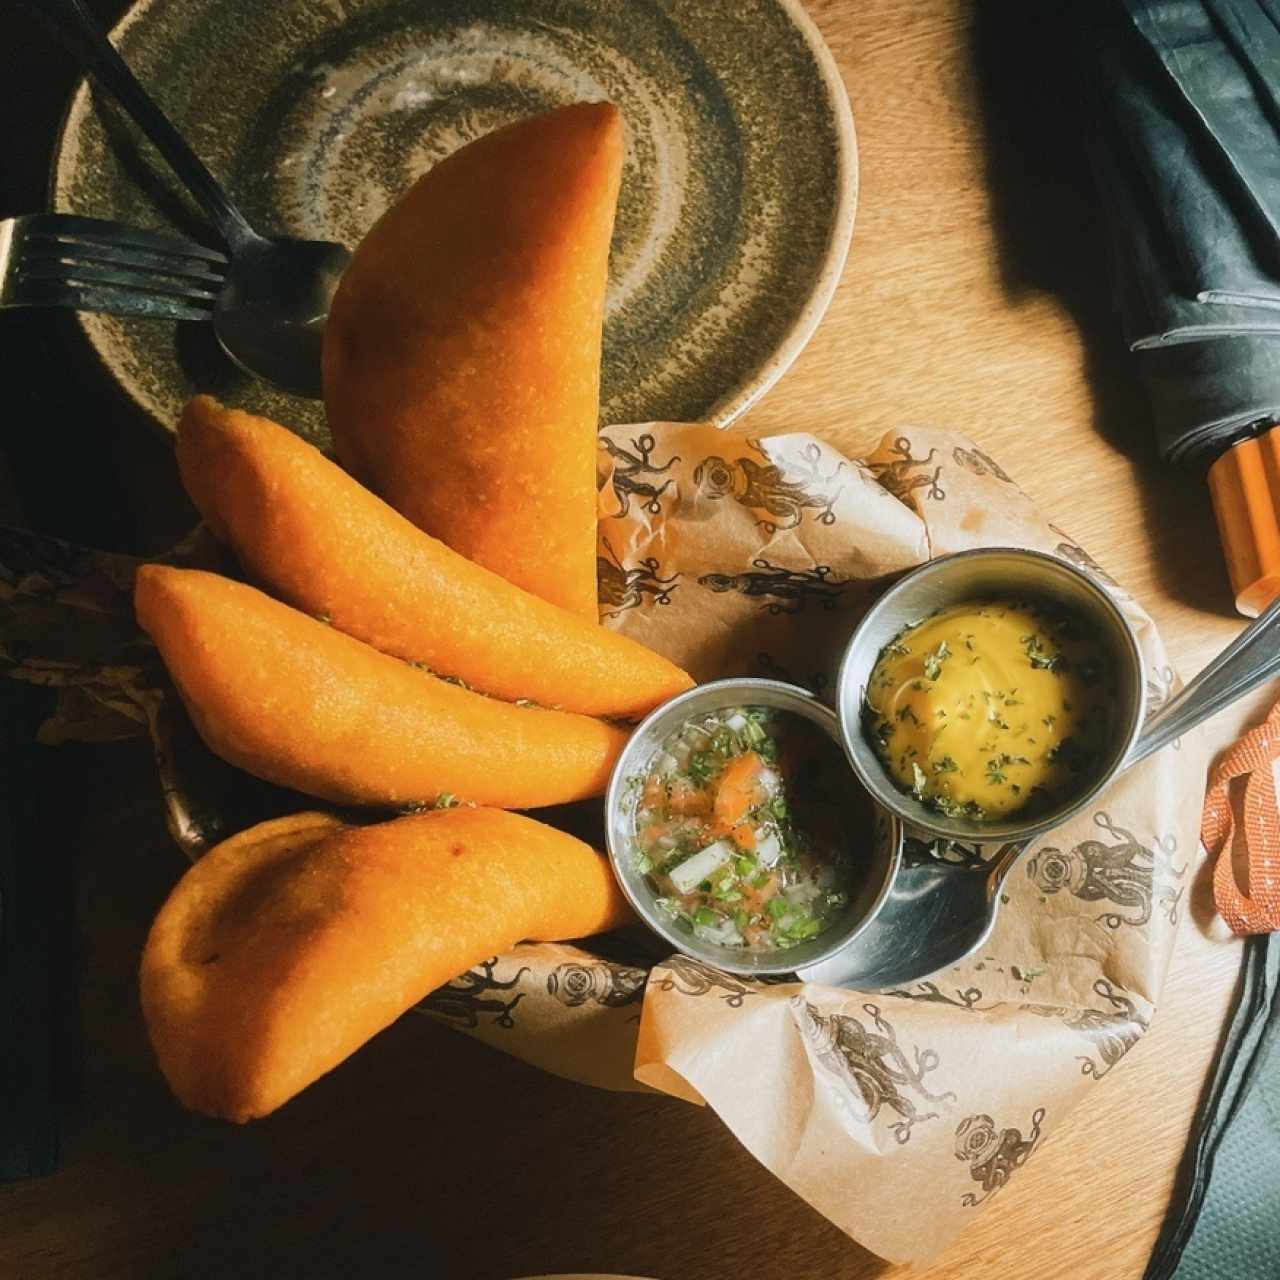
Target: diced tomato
[[754, 900], [655, 792], [688, 800], [744, 836], [739, 791]]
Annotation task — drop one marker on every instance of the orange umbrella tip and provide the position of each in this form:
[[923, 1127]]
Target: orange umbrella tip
[[1245, 486]]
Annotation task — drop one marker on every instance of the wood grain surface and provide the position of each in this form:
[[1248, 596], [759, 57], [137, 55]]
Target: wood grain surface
[[974, 298]]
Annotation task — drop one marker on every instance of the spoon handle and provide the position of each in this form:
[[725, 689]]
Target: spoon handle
[[1251, 659], [74, 25]]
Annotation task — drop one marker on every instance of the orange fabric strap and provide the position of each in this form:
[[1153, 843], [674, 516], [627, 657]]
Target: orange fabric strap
[[1252, 758]]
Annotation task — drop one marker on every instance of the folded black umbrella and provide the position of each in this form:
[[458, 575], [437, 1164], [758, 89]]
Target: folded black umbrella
[[1222, 1221], [1156, 307], [1221, 60], [1183, 108]]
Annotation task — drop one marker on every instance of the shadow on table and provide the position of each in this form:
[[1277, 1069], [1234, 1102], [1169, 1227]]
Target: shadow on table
[[1051, 239]]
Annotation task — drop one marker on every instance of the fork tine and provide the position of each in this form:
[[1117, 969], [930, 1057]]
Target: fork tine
[[105, 299], [49, 249], [105, 232], [90, 273]]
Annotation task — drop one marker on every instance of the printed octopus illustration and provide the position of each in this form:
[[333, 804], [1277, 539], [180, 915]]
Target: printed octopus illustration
[[931, 993], [978, 463], [609, 985], [873, 1065], [693, 977], [993, 1154], [620, 588], [1075, 554], [901, 479], [629, 467], [1159, 686], [469, 996], [790, 589], [1112, 1033], [765, 487], [1126, 873]]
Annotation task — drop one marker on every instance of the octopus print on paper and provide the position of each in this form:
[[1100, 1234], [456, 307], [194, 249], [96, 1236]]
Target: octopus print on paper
[[620, 588], [784, 495], [1128, 874], [781, 590], [904, 474], [1112, 1033], [993, 1154], [602, 982], [875, 1069], [1159, 686], [692, 977], [931, 993], [631, 467], [475, 994], [977, 463], [1073, 553]]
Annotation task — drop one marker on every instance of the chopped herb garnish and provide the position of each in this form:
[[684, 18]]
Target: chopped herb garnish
[[1039, 658], [700, 768]]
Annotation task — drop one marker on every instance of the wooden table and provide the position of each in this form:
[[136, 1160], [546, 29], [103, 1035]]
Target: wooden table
[[974, 298]]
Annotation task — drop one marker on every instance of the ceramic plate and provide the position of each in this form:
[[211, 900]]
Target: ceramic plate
[[738, 190]]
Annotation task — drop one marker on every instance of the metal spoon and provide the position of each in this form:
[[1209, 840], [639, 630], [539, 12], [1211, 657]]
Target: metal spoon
[[269, 317], [938, 913]]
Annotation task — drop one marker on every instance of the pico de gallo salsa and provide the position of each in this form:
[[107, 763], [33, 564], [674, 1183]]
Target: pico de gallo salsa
[[738, 828]]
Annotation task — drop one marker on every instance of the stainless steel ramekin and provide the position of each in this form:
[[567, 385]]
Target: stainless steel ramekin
[[877, 837], [990, 573]]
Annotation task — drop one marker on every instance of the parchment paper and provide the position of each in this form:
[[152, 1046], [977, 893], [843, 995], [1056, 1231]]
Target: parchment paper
[[896, 1114]]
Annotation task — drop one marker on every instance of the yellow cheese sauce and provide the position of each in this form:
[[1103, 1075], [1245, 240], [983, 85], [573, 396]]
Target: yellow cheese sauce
[[990, 709]]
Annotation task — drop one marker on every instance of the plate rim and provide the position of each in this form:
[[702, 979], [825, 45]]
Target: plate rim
[[724, 412]]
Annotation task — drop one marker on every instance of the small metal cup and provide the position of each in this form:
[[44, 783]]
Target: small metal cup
[[990, 573], [880, 835]]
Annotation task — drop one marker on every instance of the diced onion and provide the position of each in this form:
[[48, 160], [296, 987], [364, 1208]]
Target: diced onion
[[705, 863], [666, 764], [771, 781], [725, 932], [737, 722], [768, 847]]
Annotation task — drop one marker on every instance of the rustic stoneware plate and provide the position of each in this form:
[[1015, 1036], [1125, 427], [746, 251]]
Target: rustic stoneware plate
[[738, 193]]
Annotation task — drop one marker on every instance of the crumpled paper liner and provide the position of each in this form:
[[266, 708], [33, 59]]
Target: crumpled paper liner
[[895, 1114]]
